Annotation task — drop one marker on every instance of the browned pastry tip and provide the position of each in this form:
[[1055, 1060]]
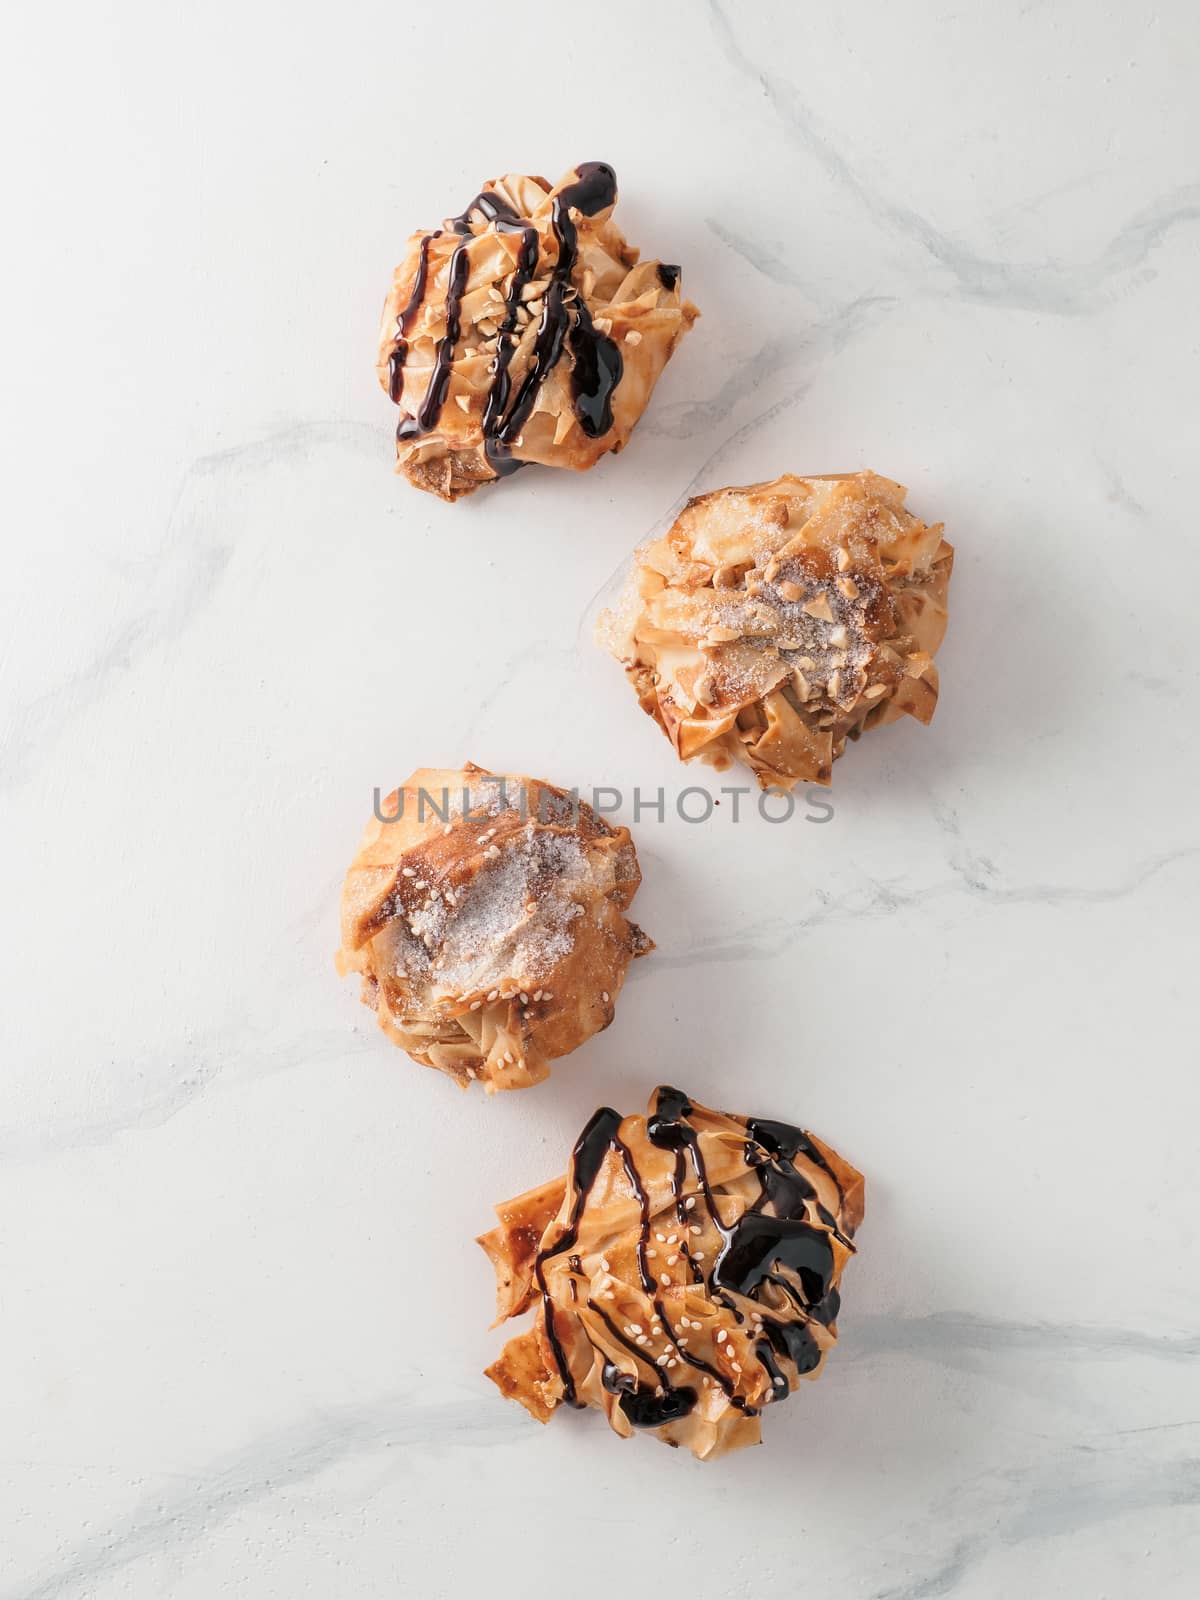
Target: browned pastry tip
[[683, 1275], [485, 914], [524, 330], [772, 623]]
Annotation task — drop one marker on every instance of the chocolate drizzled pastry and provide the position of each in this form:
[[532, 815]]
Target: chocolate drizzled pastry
[[487, 923], [683, 1275], [524, 329], [774, 622]]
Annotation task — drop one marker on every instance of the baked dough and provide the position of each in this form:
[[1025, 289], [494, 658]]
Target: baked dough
[[487, 923], [523, 330], [683, 1275], [774, 622]]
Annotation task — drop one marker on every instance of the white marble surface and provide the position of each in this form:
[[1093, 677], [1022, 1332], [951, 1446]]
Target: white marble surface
[[243, 1322]]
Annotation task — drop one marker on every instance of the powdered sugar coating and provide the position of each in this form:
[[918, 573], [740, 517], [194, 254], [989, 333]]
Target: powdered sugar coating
[[486, 917]]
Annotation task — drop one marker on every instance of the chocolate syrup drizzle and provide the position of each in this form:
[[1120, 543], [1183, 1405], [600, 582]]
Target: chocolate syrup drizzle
[[590, 1150], [404, 321], [596, 365], [751, 1250]]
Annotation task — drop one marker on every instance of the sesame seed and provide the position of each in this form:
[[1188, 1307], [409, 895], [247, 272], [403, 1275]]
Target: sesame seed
[[697, 1255], [509, 1057], [408, 872], [665, 1279], [689, 1203], [722, 1336], [671, 1260], [604, 995], [696, 1228], [641, 1339], [524, 998], [652, 1253], [604, 1267], [682, 1343], [494, 994], [475, 1004]]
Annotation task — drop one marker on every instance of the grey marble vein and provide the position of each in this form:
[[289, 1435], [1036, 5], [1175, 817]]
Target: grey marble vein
[[175, 584], [687, 418], [172, 1520], [875, 898], [934, 1337], [235, 1051], [825, 338], [762, 257], [1086, 1499], [977, 871], [1051, 286], [1119, 493], [1055, 1498], [1049, 1500], [822, 337], [944, 1579]]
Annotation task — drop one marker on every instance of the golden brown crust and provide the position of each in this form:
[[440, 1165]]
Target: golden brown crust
[[633, 304], [774, 622], [684, 1274], [486, 920]]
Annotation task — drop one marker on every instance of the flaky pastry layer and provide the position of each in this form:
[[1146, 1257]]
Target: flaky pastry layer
[[524, 330], [774, 622], [683, 1275], [486, 920]]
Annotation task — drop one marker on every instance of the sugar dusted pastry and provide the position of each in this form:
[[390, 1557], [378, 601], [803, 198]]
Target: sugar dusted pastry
[[683, 1275], [487, 923], [774, 622], [524, 330]]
